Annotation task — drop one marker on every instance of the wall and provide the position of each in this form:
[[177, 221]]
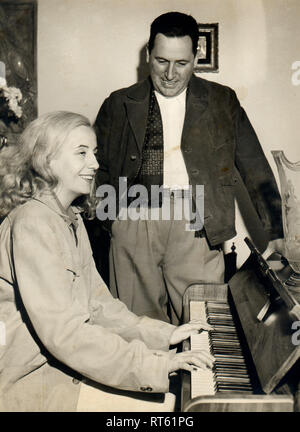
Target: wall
[[88, 48]]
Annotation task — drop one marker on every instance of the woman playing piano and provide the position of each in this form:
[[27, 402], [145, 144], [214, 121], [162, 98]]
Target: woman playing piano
[[58, 320]]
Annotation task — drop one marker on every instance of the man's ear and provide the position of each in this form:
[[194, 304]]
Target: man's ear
[[196, 58], [147, 54]]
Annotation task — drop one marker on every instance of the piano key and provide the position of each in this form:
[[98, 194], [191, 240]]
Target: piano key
[[229, 372], [203, 382]]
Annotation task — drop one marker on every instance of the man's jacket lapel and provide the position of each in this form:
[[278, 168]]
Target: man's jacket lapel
[[195, 129], [137, 105]]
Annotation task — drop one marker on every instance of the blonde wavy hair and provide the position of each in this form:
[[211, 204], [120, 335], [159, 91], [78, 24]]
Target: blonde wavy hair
[[25, 165]]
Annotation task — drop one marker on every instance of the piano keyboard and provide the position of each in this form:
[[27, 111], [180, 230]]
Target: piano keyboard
[[229, 373]]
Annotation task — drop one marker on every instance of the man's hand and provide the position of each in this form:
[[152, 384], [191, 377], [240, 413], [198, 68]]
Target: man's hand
[[274, 246], [189, 360], [186, 330]]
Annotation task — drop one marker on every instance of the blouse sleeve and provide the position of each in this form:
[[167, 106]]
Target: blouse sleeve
[[114, 315]]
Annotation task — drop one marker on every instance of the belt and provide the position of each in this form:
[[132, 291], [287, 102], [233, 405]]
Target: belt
[[165, 193], [177, 193]]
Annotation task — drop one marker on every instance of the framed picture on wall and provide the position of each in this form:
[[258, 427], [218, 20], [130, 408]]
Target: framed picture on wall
[[18, 74], [208, 48]]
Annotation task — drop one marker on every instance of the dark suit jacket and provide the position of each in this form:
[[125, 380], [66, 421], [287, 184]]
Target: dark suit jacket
[[217, 138]]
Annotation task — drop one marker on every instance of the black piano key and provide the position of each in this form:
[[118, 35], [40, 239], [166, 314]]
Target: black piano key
[[229, 368]]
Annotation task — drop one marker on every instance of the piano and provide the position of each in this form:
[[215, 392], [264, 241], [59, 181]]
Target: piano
[[257, 366]]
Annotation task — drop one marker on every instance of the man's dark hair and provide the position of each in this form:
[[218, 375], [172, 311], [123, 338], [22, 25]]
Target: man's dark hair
[[174, 24]]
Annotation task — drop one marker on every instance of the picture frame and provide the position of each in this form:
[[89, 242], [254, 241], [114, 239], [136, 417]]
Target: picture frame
[[18, 46], [208, 48]]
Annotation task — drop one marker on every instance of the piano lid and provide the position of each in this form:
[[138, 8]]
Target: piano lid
[[270, 339]]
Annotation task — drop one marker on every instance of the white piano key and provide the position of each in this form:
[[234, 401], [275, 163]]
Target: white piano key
[[224, 344], [202, 381], [197, 310]]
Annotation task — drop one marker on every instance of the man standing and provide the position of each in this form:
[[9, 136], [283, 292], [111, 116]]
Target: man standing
[[174, 130]]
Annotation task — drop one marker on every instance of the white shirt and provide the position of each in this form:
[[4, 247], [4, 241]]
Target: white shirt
[[172, 113]]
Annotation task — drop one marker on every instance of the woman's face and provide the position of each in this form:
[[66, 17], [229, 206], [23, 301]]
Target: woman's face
[[75, 165]]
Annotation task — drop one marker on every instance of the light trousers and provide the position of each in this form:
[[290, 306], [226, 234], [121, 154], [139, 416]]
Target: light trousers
[[152, 262]]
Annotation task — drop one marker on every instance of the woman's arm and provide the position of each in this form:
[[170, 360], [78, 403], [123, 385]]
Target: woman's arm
[[114, 315], [63, 324]]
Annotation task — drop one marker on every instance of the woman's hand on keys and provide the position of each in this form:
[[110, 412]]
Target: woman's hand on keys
[[191, 360], [186, 330]]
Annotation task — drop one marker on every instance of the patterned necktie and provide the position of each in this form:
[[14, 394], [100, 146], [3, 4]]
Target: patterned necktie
[[152, 168]]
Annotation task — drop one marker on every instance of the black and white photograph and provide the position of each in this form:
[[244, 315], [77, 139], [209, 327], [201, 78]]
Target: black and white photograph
[[150, 209]]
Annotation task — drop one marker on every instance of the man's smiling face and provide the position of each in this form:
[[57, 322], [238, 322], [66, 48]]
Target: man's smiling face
[[172, 62]]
